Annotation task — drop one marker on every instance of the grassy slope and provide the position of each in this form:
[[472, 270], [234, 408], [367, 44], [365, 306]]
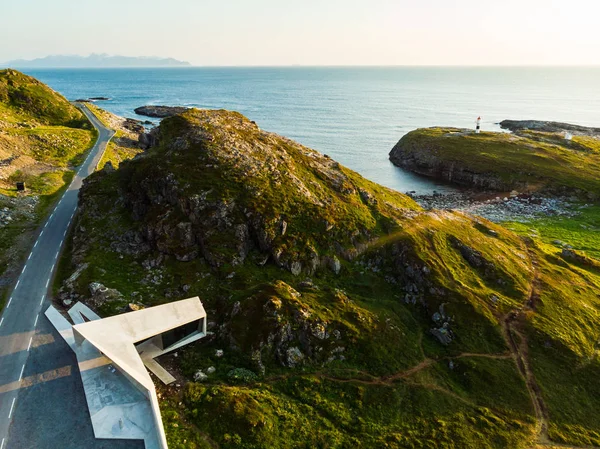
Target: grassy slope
[[395, 386], [121, 147], [311, 407], [41, 125], [538, 159], [567, 367]]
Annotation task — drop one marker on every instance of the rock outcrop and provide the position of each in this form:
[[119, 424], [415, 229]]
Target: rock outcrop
[[549, 127], [213, 188], [160, 111]]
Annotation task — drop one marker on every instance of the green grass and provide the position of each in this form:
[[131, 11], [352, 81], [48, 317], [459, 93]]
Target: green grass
[[581, 231], [116, 152], [310, 412], [121, 147], [18, 235], [526, 161], [562, 333], [24, 98]]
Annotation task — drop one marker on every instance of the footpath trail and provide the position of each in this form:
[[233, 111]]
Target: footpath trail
[[516, 339], [31, 356], [517, 342]]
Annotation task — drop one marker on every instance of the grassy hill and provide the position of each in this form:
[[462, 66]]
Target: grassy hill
[[42, 138], [40, 133], [347, 315], [25, 99], [526, 160]]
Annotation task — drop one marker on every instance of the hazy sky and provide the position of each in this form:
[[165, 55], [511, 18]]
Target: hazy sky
[[309, 32]]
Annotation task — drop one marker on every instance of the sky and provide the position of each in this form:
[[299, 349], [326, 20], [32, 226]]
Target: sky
[[309, 32]]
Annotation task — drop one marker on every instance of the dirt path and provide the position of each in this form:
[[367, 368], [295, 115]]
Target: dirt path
[[517, 342], [389, 380], [514, 335]]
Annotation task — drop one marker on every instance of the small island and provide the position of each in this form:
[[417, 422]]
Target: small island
[[160, 111]]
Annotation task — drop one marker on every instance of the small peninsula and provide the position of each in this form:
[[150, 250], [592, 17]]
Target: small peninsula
[[536, 157]]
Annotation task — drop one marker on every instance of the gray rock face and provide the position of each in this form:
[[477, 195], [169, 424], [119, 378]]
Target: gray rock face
[[148, 140], [335, 265], [423, 160], [101, 294], [294, 357], [200, 376], [133, 125], [160, 111], [443, 335]]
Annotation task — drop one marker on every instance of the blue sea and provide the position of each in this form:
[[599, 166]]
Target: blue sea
[[355, 115]]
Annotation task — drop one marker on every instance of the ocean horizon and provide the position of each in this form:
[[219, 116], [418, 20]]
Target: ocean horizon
[[355, 114]]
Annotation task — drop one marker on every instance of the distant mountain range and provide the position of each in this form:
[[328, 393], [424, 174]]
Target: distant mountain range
[[94, 61]]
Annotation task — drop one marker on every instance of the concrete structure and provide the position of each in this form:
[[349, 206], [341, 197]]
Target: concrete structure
[[120, 394]]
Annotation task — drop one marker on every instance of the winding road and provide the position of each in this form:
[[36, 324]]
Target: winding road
[[42, 404]]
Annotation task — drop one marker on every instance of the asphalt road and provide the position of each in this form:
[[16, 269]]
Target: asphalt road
[[42, 403]]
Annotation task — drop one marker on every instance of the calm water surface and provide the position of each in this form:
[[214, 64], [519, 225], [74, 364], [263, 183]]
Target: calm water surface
[[356, 115]]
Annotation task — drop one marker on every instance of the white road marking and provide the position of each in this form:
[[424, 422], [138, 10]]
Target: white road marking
[[9, 301], [1, 321], [56, 255], [47, 282], [42, 300], [42, 233], [23, 270], [45, 225], [17, 284], [21, 376], [11, 408], [29, 345], [36, 319], [36, 242], [2, 444], [29, 256]]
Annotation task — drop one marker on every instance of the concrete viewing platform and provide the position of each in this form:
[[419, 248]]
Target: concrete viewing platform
[[120, 394]]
